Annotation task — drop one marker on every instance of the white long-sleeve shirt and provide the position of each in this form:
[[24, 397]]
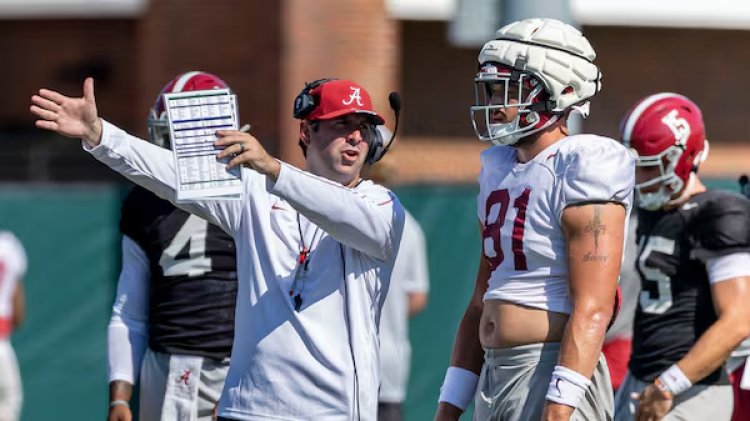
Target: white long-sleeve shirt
[[410, 275], [319, 363], [127, 335]]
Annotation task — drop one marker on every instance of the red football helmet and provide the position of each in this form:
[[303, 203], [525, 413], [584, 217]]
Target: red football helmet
[[158, 127], [666, 131]]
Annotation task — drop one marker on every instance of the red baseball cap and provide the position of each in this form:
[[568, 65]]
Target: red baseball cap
[[340, 97]]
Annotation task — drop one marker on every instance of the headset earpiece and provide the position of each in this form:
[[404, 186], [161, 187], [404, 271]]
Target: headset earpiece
[[305, 102], [375, 150], [378, 146]]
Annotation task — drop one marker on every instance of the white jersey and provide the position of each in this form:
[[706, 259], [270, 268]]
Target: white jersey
[[743, 350], [520, 206], [410, 275], [12, 269], [319, 362]]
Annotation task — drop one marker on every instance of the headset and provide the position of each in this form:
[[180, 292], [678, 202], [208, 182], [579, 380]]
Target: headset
[[378, 148], [306, 102]]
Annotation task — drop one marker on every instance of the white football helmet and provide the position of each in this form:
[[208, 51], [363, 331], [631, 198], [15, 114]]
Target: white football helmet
[[551, 65]]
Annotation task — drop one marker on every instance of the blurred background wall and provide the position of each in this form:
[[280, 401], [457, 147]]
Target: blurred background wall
[[65, 206]]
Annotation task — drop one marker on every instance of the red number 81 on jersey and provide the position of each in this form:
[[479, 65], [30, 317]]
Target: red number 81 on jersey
[[492, 249]]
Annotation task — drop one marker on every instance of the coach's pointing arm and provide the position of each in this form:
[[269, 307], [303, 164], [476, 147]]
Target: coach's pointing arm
[[142, 162]]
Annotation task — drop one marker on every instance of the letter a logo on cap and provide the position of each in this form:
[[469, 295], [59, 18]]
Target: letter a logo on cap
[[354, 96]]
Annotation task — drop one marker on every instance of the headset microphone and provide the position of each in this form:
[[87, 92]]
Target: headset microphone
[[394, 99], [378, 145]]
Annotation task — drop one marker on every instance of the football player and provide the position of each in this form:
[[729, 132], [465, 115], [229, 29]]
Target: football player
[[13, 266], [315, 249], [737, 362], [173, 318], [694, 265], [553, 210]]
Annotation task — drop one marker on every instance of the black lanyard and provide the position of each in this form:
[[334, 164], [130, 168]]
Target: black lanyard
[[303, 264]]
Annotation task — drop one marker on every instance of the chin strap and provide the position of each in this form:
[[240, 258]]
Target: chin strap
[[686, 192], [516, 137]]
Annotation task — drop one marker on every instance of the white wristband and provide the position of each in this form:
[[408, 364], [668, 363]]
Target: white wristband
[[459, 387], [118, 403], [675, 380], [567, 387]]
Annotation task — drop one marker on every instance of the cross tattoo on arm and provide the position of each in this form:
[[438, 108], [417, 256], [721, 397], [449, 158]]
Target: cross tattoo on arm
[[597, 228]]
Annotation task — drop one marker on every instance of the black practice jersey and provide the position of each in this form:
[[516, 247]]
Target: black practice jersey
[[675, 306], [193, 285]]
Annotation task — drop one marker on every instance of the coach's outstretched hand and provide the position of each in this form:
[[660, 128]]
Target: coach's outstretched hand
[[71, 117]]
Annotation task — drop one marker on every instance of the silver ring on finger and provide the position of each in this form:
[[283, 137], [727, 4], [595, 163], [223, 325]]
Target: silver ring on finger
[[242, 148]]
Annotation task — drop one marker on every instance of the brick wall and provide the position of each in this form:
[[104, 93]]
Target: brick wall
[[58, 54], [238, 40], [267, 50], [131, 60], [708, 66], [437, 80], [703, 64]]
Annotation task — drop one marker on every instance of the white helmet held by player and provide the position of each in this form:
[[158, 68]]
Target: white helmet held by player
[[546, 65]]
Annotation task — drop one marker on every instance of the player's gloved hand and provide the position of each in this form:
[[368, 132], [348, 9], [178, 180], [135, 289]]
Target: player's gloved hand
[[557, 412], [653, 405], [246, 150], [120, 413], [447, 412], [71, 117]]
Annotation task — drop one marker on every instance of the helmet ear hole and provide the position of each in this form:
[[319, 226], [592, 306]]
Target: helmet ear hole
[[532, 118], [704, 153]]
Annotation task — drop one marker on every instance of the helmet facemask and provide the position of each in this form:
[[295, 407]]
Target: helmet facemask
[[158, 129], [668, 181], [497, 90]]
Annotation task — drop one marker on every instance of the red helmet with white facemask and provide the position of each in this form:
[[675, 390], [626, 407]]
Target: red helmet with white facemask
[[158, 126], [666, 131]]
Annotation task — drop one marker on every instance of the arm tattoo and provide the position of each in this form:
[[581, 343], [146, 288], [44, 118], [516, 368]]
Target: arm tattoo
[[596, 228]]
